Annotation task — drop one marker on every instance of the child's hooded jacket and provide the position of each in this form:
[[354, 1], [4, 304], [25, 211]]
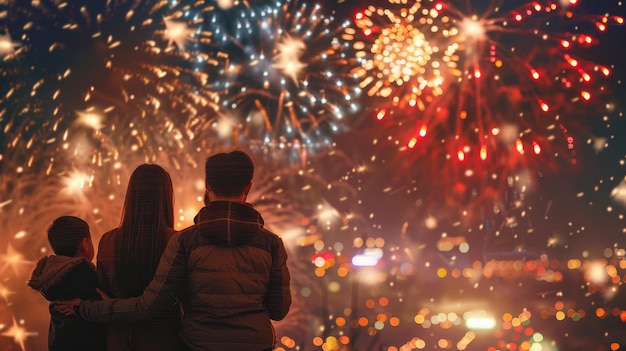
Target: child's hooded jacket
[[65, 278]]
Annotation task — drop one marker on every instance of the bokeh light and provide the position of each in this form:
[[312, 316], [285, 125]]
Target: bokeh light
[[444, 175]]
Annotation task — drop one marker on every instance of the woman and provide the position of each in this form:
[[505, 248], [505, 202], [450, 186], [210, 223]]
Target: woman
[[128, 257]]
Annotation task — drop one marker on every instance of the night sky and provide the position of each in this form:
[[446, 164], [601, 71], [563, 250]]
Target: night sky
[[425, 168]]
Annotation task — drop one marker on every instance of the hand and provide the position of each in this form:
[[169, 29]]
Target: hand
[[103, 295], [67, 307]]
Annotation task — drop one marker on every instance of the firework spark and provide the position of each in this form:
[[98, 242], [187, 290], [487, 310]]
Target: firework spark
[[237, 20], [14, 260], [18, 333]]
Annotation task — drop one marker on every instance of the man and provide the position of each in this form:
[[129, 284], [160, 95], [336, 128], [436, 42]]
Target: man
[[229, 273]]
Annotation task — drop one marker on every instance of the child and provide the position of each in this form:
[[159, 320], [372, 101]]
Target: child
[[69, 274]]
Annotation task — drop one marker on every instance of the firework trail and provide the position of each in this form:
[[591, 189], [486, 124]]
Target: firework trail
[[292, 87], [120, 74]]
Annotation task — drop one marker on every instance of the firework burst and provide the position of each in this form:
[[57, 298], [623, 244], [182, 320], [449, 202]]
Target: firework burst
[[522, 66], [482, 93], [116, 74], [406, 53], [291, 89]]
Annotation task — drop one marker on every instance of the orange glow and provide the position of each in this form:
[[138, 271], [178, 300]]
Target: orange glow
[[565, 44], [342, 272], [536, 148], [442, 272], [394, 321], [524, 316], [461, 155], [477, 73], [287, 341], [601, 26], [320, 272], [317, 341], [412, 142], [483, 152], [544, 106]]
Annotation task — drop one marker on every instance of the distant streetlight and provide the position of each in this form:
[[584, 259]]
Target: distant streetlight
[[479, 320], [369, 258]]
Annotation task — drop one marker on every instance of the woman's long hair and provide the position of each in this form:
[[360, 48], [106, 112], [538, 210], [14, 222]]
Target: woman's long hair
[[147, 217]]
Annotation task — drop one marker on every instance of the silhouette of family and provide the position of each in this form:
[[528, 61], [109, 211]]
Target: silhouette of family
[[216, 285]]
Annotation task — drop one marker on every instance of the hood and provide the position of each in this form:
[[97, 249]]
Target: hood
[[229, 223], [51, 270]]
